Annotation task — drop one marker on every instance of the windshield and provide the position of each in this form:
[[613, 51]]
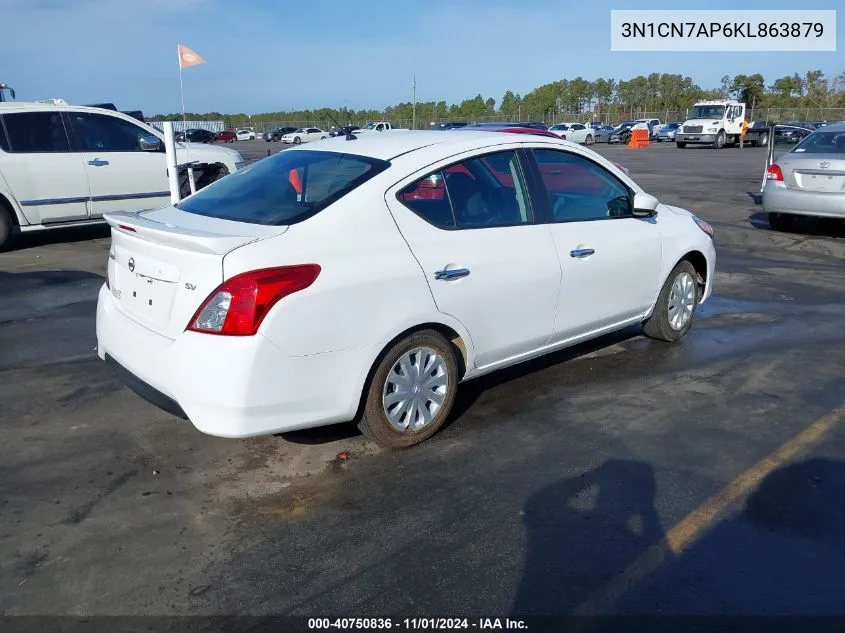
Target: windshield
[[821, 142], [284, 189], [708, 112], [370, 126], [560, 126]]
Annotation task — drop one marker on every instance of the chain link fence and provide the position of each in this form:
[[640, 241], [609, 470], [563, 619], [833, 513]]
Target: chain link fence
[[609, 116]]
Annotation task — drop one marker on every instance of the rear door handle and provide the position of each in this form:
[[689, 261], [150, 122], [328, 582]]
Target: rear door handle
[[581, 252], [453, 273], [97, 162]]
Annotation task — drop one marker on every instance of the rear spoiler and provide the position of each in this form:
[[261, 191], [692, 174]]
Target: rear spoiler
[[185, 238]]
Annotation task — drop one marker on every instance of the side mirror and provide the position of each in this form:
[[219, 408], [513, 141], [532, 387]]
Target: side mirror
[[149, 144], [645, 205]]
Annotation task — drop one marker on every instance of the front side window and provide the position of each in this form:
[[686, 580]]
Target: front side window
[[103, 133], [35, 132], [579, 189], [283, 189], [482, 192], [708, 112]]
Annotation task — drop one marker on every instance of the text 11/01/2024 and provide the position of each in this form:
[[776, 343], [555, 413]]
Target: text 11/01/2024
[[417, 624]]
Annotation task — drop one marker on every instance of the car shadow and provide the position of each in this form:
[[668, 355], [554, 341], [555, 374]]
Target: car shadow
[[321, 434], [811, 227], [66, 235], [470, 391]]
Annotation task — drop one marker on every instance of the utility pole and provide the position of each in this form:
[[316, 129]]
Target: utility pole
[[414, 115]]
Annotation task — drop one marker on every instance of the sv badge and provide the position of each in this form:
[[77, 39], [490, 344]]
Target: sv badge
[[190, 286]]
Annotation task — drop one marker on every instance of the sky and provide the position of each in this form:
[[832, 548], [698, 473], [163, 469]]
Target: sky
[[266, 55]]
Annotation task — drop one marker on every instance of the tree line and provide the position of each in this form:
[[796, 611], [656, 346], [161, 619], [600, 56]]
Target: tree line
[[610, 97]]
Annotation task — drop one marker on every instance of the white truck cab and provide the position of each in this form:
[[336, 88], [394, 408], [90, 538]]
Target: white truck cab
[[716, 123]]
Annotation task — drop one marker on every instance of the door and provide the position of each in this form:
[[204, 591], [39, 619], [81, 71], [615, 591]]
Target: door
[[488, 264], [611, 261], [45, 175], [577, 133], [122, 176], [734, 116]]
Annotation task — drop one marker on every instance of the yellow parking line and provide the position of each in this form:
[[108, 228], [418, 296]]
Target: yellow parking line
[[691, 527]]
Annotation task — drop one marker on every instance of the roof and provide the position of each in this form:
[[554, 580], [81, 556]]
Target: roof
[[389, 145], [34, 106]]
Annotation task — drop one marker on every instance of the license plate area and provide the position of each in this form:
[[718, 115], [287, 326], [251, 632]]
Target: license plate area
[[150, 299], [820, 182]]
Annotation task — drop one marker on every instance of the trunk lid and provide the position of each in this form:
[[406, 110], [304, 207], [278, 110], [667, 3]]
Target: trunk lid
[[163, 264], [824, 173]]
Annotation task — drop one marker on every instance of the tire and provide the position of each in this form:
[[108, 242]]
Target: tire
[[425, 345], [5, 228], [681, 145], [762, 141], [322, 138], [296, 140], [781, 222], [588, 140], [666, 323], [719, 143]]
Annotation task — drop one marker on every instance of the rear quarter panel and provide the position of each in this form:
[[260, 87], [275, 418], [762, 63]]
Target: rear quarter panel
[[370, 288]]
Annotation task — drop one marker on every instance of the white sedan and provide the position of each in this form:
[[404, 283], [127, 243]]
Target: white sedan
[[245, 135], [258, 305], [305, 135], [575, 132]]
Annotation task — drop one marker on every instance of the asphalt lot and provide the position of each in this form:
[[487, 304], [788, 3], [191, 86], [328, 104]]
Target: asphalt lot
[[623, 476]]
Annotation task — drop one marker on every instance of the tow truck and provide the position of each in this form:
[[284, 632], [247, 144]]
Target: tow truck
[[720, 124], [7, 93]]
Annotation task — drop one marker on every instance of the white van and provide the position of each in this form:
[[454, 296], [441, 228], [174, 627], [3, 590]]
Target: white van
[[64, 165]]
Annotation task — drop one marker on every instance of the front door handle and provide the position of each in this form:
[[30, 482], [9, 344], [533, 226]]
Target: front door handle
[[581, 252], [97, 162], [453, 273]]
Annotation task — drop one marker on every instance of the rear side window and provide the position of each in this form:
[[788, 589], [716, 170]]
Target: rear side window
[[283, 189], [35, 132], [482, 192]]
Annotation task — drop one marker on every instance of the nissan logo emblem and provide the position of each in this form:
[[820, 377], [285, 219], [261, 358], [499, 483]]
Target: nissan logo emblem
[[824, 164], [131, 264]]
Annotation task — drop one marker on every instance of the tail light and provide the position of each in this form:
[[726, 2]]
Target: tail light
[[238, 306], [774, 173]]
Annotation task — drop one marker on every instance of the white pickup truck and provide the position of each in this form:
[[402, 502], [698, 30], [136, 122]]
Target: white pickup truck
[[379, 126], [715, 123]]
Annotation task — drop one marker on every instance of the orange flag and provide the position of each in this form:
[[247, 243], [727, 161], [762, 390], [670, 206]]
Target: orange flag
[[188, 58]]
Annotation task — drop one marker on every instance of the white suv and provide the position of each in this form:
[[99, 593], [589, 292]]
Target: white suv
[[64, 165]]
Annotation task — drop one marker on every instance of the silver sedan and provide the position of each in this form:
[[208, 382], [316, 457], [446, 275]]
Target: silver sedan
[[808, 180]]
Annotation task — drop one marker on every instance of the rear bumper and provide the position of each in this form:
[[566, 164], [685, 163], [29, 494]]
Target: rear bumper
[[695, 138], [146, 391], [778, 198], [232, 386]]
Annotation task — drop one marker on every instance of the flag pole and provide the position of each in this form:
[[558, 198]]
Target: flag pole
[[181, 85]]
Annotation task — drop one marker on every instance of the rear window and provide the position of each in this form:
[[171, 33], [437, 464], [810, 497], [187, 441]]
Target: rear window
[[822, 143], [283, 189]]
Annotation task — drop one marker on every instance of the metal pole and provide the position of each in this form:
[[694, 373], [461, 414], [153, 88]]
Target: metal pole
[[170, 153], [414, 114], [181, 86]]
